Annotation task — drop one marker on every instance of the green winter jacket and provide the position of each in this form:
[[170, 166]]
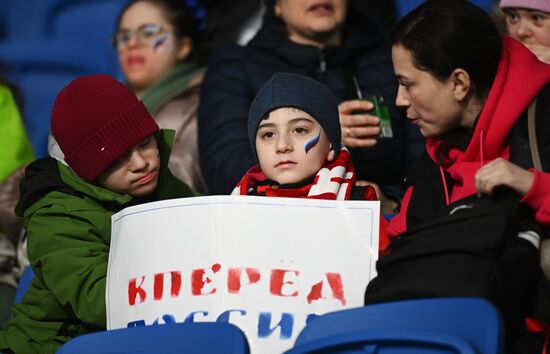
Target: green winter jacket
[[68, 221]]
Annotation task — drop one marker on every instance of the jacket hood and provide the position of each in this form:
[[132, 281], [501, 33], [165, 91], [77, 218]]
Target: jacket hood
[[358, 31], [41, 177], [510, 95], [48, 175]]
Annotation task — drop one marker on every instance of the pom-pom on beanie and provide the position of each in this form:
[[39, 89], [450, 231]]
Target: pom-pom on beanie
[[96, 120], [301, 92], [540, 5]]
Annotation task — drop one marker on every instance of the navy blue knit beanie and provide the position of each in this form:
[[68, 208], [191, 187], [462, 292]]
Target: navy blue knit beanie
[[296, 91]]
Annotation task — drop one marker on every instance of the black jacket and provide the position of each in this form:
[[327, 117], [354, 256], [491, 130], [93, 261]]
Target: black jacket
[[237, 73]]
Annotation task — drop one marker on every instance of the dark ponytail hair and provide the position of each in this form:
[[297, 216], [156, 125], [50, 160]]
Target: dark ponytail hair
[[443, 35], [180, 16]]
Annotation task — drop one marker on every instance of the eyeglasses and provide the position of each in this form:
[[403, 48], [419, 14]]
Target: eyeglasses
[[145, 34]]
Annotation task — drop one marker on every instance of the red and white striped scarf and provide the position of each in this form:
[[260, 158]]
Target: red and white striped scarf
[[333, 182]]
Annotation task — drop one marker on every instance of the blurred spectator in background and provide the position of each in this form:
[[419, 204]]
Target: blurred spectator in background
[[528, 21], [158, 49], [15, 147], [15, 153], [382, 13], [237, 21], [333, 42], [231, 21]]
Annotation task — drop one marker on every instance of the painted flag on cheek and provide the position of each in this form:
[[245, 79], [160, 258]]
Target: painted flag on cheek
[[162, 44]]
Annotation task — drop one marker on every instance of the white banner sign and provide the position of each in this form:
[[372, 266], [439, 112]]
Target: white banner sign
[[267, 265]]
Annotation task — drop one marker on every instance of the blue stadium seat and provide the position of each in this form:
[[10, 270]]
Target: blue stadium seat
[[41, 69], [23, 285], [486, 5], [450, 325], [86, 23], [204, 338], [403, 7], [3, 18]]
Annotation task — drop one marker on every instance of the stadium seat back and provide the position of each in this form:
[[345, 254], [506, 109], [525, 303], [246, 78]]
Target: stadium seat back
[[204, 338], [41, 69], [88, 22], [80, 23], [451, 325], [23, 284]]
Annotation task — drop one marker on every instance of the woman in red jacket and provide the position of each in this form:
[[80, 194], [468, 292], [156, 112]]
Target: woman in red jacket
[[466, 100], [468, 90]]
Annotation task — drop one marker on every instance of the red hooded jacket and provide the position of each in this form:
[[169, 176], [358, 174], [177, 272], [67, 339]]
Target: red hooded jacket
[[520, 77]]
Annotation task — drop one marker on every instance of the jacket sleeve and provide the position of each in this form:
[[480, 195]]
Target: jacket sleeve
[[398, 224], [70, 256], [226, 95], [538, 198], [15, 148]]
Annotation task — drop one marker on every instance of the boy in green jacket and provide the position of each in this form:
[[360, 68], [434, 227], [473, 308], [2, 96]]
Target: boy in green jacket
[[111, 155]]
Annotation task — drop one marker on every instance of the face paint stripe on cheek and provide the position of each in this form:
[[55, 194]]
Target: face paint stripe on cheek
[[163, 43], [308, 145]]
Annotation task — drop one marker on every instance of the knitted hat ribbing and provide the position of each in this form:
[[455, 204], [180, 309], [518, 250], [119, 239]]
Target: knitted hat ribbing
[[540, 5], [297, 91], [95, 120]]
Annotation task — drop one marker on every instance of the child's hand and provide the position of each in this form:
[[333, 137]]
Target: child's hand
[[542, 52], [501, 172], [358, 129]]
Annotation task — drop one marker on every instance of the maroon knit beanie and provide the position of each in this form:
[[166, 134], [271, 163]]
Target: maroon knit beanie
[[96, 120]]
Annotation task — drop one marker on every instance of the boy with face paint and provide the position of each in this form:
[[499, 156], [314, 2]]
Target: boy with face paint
[[294, 131]]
